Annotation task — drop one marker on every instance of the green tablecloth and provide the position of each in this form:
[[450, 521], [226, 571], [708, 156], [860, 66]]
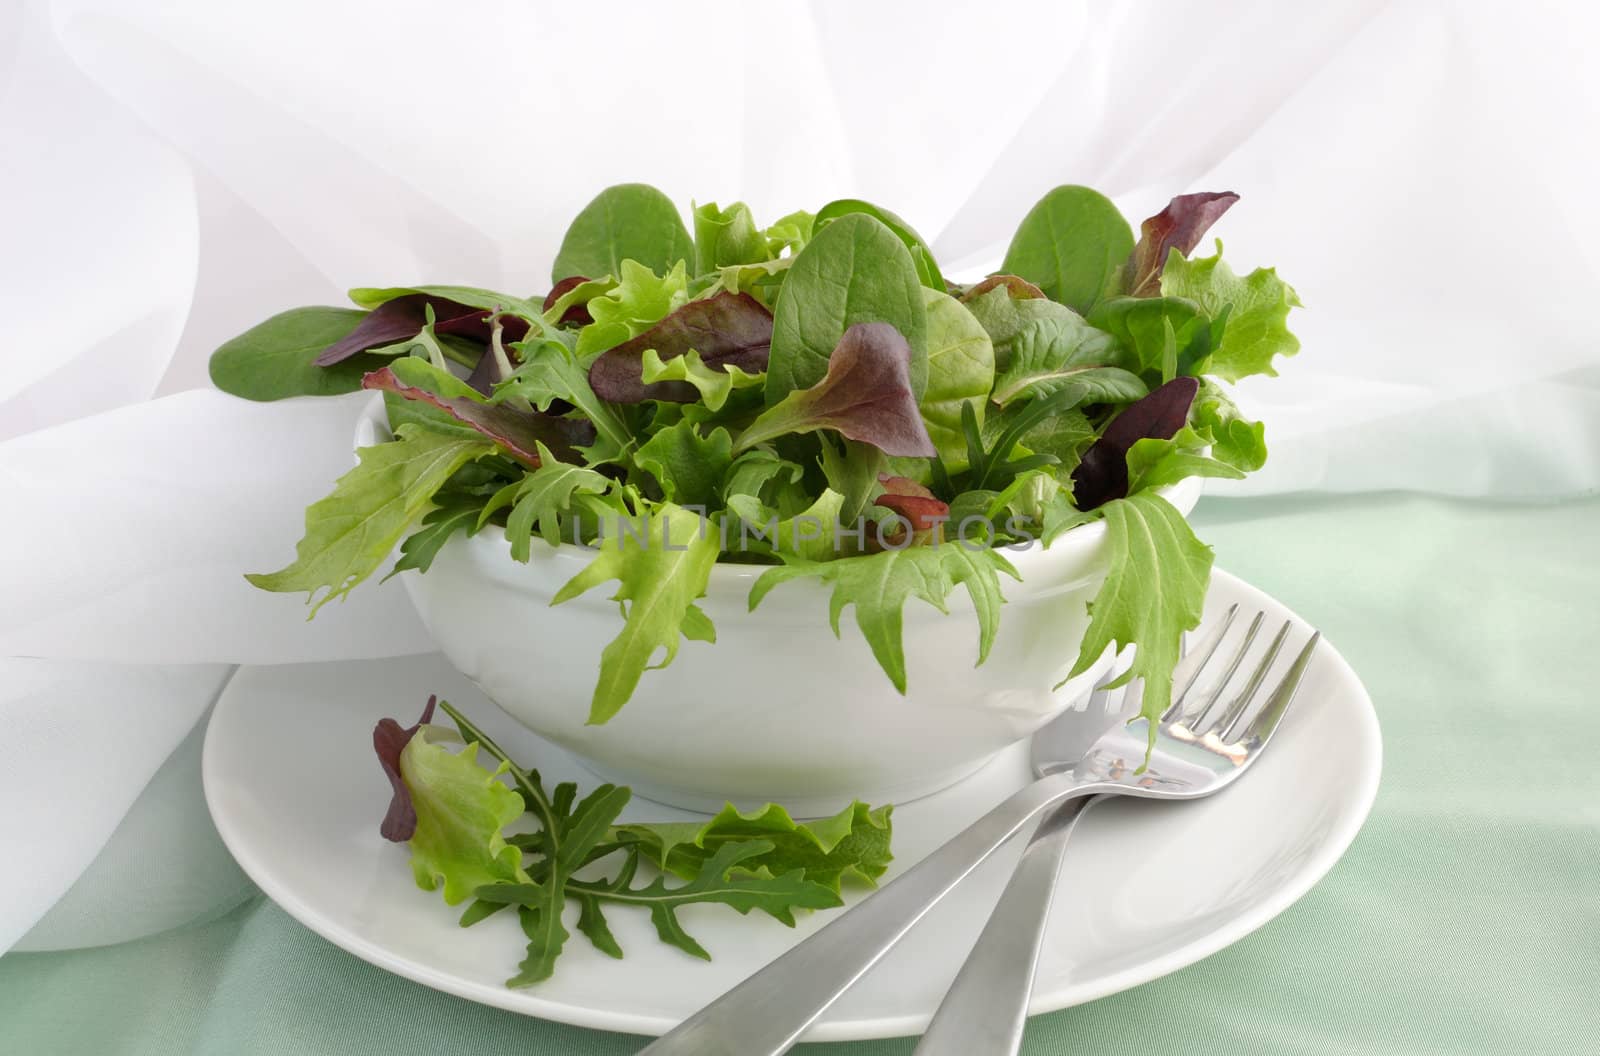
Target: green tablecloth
[[1465, 919]]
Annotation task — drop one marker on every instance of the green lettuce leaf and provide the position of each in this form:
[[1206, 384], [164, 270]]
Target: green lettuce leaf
[[851, 845], [1233, 438], [630, 221], [714, 384], [1257, 308], [727, 237], [960, 368], [878, 585], [462, 810], [1004, 316], [1055, 354], [1073, 245], [659, 579], [1156, 463], [790, 232], [688, 466], [1154, 592], [633, 306], [771, 479], [350, 532]]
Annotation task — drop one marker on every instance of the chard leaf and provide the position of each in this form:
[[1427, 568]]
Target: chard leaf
[[960, 368], [689, 467], [659, 579], [727, 237], [1154, 592], [855, 270], [713, 384], [522, 433], [389, 739], [351, 531], [1235, 440], [539, 500], [462, 810], [630, 221], [1257, 310], [853, 844], [1053, 354], [865, 394], [1179, 226], [275, 359], [636, 304], [1004, 316], [1102, 474], [550, 372], [1072, 245], [921, 255], [878, 585], [729, 332]]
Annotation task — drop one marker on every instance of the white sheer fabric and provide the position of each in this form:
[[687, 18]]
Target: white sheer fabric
[[1422, 172]]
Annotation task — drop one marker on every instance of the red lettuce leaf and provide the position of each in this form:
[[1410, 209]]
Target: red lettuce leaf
[[518, 431], [922, 510], [403, 317], [730, 329], [866, 395], [1019, 288], [389, 739], [577, 314], [1179, 226], [1102, 475]]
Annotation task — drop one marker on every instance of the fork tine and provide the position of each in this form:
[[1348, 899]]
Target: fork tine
[[1236, 708], [1196, 720], [1195, 660], [1271, 713]]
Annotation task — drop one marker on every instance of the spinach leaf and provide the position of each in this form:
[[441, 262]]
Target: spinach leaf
[[927, 269], [630, 221], [1072, 245], [855, 270], [276, 359]]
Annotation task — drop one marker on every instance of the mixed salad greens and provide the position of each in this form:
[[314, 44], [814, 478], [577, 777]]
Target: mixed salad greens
[[813, 395], [455, 814]]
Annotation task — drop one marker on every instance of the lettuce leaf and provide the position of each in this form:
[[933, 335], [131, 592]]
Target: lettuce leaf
[[1154, 592], [727, 237], [688, 466], [1054, 354], [1257, 309], [639, 301], [1233, 438], [1180, 226], [728, 331], [462, 810], [960, 368], [351, 531], [713, 384], [658, 579]]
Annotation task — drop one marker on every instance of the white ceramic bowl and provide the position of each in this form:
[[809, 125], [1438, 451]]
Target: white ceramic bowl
[[778, 709]]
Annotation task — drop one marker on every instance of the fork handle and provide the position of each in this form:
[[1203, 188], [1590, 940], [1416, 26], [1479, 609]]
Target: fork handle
[[767, 1013], [986, 1008]]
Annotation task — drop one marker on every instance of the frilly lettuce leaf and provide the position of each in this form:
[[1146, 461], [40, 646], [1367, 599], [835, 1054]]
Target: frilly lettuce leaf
[[639, 301], [688, 466], [1156, 463], [713, 384], [462, 810], [727, 331], [727, 237], [1257, 307], [1233, 438]]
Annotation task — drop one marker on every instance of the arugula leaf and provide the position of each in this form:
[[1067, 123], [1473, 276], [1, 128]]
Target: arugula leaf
[[351, 531], [865, 395], [630, 221], [523, 434], [275, 359], [921, 255], [550, 372], [540, 499], [727, 237], [1257, 307], [878, 585], [1072, 245], [1004, 316], [689, 467], [1179, 226], [424, 544], [729, 331], [636, 304], [853, 844], [855, 270], [1053, 354], [659, 580], [960, 368], [1154, 591], [461, 811], [1233, 439]]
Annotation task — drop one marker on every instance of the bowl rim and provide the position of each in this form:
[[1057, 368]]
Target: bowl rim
[[1078, 544]]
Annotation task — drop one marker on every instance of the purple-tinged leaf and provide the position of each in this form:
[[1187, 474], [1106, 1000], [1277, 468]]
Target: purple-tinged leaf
[[1019, 288], [1102, 474], [577, 314], [728, 330], [866, 395], [1181, 226], [389, 739], [403, 317], [518, 431]]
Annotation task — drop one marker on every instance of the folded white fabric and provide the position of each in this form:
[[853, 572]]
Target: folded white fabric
[[182, 171]]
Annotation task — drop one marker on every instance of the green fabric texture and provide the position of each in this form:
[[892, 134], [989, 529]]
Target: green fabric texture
[[1465, 919]]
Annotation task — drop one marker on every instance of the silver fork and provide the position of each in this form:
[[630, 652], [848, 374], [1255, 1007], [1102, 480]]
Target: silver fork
[[986, 1008], [1195, 756]]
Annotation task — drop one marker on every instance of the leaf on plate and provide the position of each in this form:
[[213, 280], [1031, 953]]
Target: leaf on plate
[[462, 810], [389, 739]]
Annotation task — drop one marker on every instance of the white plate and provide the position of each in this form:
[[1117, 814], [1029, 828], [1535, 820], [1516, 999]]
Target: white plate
[[1148, 888]]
